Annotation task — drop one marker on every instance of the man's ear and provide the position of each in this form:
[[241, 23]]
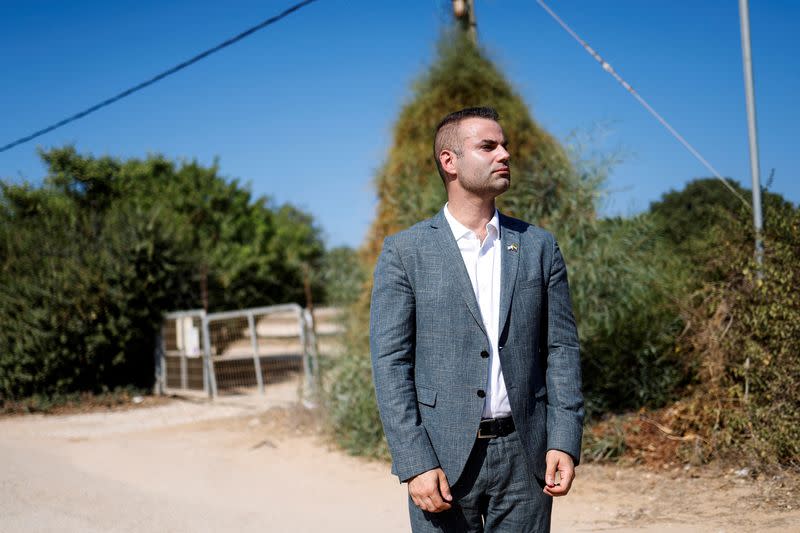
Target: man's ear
[[447, 158]]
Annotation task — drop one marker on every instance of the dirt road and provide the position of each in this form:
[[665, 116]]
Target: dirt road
[[235, 466]]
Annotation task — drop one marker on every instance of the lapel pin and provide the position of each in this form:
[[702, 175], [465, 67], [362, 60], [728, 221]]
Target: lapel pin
[[512, 247]]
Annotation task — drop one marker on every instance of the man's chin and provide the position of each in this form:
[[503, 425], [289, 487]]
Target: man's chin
[[493, 188], [503, 184]]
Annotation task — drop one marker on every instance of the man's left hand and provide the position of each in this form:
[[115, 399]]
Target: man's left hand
[[561, 462]]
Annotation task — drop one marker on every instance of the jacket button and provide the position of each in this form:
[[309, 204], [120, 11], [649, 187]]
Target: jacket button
[[481, 394], [484, 354]]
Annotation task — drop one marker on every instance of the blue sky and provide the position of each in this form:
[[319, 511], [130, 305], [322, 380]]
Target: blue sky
[[303, 110]]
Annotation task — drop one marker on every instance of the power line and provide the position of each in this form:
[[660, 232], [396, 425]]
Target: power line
[[608, 68], [159, 77]]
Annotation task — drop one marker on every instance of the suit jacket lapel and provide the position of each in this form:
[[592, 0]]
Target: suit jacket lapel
[[508, 268], [454, 263]]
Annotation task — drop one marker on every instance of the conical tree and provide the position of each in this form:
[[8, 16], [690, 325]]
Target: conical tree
[[545, 190], [408, 185]]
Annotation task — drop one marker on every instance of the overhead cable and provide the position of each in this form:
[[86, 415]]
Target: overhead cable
[[608, 68], [159, 77]]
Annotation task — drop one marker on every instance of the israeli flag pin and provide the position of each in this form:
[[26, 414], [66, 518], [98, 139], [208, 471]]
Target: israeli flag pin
[[512, 247]]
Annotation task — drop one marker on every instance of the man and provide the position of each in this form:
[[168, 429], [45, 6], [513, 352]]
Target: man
[[475, 351]]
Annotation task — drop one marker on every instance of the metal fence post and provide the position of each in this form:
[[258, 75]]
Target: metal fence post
[[309, 358], [206, 354], [160, 362], [185, 371], [301, 319], [209, 380], [313, 348], [256, 358]]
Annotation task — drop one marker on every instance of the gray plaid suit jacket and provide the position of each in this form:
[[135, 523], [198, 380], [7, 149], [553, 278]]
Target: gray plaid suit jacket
[[426, 339]]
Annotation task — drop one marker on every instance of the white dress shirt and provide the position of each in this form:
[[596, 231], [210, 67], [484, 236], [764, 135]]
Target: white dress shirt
[[482, 260]]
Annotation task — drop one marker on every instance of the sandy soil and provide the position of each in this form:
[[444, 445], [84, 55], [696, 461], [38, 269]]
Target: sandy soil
[[255, 464]]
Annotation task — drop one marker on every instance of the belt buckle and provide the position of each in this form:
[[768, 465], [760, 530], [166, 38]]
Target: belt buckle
[[482, 435]]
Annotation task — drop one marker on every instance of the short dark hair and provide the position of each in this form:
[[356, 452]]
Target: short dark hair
[[446, 137]]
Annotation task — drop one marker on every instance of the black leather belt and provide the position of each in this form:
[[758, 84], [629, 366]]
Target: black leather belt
[[495, 427]]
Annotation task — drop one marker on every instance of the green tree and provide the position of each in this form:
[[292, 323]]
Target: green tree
[[247, 251], [689, 219]]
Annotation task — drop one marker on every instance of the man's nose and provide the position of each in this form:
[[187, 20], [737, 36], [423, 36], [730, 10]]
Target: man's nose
[[504, 156]]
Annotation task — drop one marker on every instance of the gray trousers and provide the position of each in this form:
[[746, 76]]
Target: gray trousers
[[493, 494]]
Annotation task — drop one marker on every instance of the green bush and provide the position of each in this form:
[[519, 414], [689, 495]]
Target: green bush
[[626, 288], [342, 275], [351, 406], [746, 336], [81, 299]]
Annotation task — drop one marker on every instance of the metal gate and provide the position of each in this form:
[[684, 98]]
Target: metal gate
[[236, 351]]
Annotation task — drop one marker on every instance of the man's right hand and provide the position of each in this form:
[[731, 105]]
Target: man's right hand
[[430, 491]]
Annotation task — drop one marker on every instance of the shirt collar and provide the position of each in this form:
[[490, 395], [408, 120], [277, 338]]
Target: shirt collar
[[460, 230]]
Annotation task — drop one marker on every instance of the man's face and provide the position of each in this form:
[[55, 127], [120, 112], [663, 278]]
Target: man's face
[[483, 167]]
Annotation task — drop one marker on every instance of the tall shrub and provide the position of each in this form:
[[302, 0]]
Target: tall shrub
[[745, 334], [627, 288], [82, 295]]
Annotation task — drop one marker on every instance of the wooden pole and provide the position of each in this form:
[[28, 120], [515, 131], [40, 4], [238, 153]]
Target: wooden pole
[[464, 12]]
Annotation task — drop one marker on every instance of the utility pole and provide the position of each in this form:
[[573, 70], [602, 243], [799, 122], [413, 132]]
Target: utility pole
[[747, 60], [464, 11], [744, 18]]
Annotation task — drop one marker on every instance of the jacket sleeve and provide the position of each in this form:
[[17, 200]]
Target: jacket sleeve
[[392, 343], [565, 410]]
